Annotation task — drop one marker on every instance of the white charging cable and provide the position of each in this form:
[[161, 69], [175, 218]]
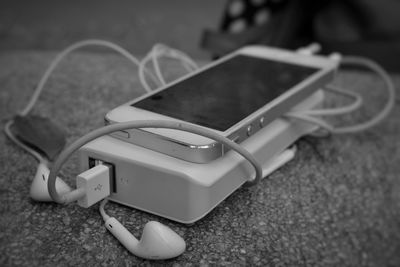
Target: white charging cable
[[158, 51], [34, 153], [79, 192], [309, 115]]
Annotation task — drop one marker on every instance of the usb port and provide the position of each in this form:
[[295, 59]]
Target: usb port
[[113, 183]]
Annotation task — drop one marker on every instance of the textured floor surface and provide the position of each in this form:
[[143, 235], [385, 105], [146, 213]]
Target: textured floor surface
[[336, 204]]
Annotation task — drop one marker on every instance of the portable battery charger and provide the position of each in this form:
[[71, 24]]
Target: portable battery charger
[[184, 191]]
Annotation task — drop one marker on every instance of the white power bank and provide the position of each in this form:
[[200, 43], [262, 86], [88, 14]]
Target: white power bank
[[184, 191]]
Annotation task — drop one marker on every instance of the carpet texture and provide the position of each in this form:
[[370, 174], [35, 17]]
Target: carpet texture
[[336, 204]]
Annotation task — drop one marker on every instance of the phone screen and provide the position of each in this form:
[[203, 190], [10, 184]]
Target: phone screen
[[223, 95]]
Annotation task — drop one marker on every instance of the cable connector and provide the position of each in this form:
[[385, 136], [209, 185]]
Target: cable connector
[[96, 184]]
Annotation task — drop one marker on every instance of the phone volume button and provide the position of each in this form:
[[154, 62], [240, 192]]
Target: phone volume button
[[249, 130], [262, 122]]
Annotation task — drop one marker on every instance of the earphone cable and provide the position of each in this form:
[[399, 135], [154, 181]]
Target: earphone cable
[[65, 52], [308, 116], [157, 51], [103, 213], [356, 104], [34, 153]]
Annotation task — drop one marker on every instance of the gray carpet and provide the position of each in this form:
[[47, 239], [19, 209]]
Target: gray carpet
[[336, 204]]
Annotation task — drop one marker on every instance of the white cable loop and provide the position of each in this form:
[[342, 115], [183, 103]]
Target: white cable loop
[[64, 53], [157, 51], [307, 116], [187, 127], [357, 103]]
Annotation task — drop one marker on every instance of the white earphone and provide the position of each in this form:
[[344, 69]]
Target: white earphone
[[158, 241], [39, 191]]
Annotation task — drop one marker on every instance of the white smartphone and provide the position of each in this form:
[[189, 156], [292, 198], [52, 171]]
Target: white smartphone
[[235, 96]]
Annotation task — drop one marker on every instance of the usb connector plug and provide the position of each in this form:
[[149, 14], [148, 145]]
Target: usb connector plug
[[96, 183]]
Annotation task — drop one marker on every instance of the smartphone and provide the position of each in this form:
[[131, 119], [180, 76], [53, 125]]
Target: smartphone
[[235, 96]]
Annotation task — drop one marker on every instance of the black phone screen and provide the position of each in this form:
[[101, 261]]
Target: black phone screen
[[223, 95]]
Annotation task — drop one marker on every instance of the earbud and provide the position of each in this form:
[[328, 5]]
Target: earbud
[[39, 191], [158, 242]]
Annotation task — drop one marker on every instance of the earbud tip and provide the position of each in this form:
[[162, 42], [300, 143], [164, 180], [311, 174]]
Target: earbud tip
[[161, 242], [39, 191]]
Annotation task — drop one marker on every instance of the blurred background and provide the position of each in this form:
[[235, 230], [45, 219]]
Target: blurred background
[[135, 25], [208, 28]]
